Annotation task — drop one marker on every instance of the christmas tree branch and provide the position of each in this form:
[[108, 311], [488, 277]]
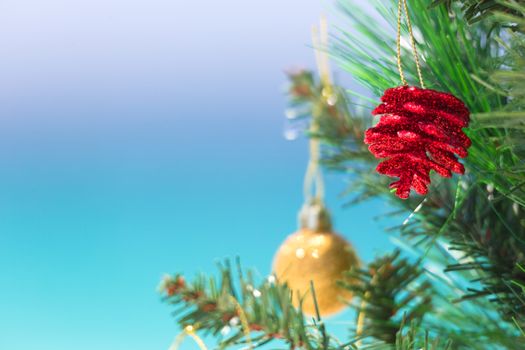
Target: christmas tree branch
[[477, 10], [238, 312], [480, 215], [254, 316], [391, 294]]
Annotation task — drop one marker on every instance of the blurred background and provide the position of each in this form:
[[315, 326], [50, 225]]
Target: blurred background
[[144, 137]]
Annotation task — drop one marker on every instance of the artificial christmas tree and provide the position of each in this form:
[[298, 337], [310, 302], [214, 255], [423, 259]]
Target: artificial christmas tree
[[459, 282]]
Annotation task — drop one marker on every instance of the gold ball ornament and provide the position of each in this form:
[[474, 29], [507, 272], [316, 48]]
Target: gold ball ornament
[[315, 253]]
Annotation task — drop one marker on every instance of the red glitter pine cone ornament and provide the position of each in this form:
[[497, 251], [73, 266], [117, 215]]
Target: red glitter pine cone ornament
[[420, 130]]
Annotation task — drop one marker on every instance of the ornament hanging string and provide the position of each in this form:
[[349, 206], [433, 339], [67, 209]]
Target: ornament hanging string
[[420, 129], [188, 331], [360, 324], [320, 42], [403, 5], [313, 174], [244, 322]]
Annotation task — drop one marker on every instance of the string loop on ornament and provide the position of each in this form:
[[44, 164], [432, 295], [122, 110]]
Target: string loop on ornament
[[313, 181], [403, 5], [244, 321], [188, 331], [398, 44], [360, 325]]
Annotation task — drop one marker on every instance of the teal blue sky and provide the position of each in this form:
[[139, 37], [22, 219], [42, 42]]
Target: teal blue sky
[[138, 138]]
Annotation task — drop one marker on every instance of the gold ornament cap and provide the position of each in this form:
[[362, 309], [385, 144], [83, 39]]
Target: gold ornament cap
[[315, 217]]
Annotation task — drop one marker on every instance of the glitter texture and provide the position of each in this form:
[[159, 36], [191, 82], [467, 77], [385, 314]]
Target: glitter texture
[[420, 130]]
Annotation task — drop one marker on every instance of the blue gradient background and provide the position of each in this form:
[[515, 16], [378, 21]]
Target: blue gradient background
[[143, 137]]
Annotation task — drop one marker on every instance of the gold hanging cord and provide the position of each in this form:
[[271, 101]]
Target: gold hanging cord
[[313, 174], [244, 322], [402, 4], [320, 42], [188, 331]]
